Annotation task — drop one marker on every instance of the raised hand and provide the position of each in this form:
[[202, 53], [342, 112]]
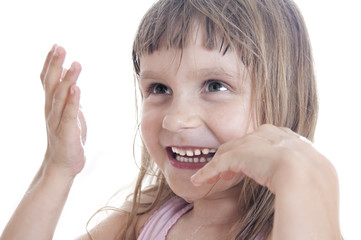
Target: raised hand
[[65, 123], [39, 211]]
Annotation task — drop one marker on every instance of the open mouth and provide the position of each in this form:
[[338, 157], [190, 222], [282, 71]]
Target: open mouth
[[191, 155]]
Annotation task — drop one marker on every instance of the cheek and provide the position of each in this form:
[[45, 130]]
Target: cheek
[[150, 128], [231, 122], [147, 125]]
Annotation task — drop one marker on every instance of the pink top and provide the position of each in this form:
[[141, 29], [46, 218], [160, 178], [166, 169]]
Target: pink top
[[158, 225], [162, 220]]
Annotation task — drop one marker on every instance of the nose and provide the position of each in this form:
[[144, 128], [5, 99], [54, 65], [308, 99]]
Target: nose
[[182, 115]]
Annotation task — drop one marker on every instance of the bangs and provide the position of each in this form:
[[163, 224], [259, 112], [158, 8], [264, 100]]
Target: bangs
[[170, 24]]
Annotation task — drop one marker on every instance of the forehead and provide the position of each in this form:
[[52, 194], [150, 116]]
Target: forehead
[[194, 59], [195, 55]]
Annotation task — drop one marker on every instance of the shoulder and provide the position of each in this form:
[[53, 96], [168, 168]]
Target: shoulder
[[116, 223], [150, 202], [106, 229], [114, 226]]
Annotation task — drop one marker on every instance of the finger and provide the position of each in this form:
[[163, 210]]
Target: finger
[[210, 172], [289, 132], [83, 125], [63, 74], [213, 180], [62, 92], [46, 64], [53, 76], [54, 68], [69, 119], [298, 136], [228, 175], [247, 160], [270, 133]]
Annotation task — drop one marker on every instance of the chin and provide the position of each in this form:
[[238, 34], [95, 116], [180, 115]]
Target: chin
[[220, 189], [184, 188]]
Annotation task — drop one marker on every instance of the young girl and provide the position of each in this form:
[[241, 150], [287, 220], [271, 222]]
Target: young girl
[[228, 99]]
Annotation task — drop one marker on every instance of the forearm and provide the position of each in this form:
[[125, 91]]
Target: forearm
[[38, 212]]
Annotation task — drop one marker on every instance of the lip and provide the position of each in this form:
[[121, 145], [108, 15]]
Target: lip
[[183, 165]]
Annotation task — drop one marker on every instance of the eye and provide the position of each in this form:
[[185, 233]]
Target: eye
[[215, 86], [158, 88]]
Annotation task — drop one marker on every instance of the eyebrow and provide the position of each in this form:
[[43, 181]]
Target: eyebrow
[[213, 72], [201, 73], [149, 75]]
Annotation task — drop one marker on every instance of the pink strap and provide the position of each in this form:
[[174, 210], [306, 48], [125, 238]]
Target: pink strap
[[162, 220]]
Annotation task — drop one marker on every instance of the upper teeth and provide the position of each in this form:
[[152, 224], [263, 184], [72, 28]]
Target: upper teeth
[[195, 152]]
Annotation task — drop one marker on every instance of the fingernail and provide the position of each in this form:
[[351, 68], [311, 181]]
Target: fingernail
[[194, 181], [55, 51], [71, 69], [53, 48]]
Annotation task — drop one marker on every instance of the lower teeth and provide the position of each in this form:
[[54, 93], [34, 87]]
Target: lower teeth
[[192, 160]]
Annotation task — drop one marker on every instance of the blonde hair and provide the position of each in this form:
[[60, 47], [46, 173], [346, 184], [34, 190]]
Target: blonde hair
[[272, 40]]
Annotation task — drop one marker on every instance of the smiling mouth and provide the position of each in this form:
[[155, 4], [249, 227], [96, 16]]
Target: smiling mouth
[[191, 155]]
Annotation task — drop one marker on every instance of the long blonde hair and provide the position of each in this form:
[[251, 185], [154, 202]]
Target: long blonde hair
[[272, 40]]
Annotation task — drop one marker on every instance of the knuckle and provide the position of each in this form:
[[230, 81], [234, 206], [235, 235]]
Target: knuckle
[[287, 156], [57, 99], [70, 114], [66, 132], [285, 129], [267, 127], [69, 117], [59, 95], [213, 168], [51, 122], [220, 150]]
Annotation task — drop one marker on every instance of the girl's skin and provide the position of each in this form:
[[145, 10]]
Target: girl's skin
[[201, 100], [38, 212]]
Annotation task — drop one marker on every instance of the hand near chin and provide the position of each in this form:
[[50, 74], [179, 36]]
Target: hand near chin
[[269, 155], [304, 182], [65, 123]]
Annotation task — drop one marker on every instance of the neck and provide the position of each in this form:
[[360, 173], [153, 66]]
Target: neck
[[217, 209]]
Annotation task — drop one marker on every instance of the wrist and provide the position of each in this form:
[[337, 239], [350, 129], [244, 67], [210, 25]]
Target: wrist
[[57, 174], [306, 199], [296, 171], [55, 165]]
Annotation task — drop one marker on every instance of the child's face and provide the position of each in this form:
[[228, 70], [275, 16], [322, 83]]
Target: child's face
[[193, 100]]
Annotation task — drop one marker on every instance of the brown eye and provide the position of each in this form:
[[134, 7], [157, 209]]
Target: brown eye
[[158, 88]]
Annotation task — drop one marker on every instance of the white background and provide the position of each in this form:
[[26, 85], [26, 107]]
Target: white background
[[99, 35]]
